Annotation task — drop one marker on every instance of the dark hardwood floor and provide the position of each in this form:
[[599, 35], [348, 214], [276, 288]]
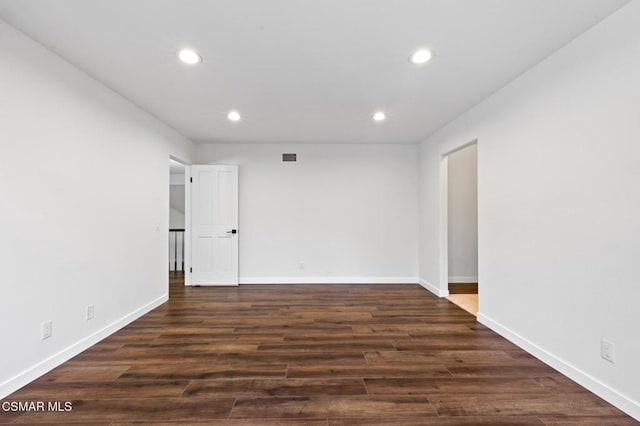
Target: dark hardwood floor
[[310, 355], [463, 288]]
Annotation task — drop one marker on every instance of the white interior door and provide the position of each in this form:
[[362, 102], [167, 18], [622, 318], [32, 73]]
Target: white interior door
[[214, 225]]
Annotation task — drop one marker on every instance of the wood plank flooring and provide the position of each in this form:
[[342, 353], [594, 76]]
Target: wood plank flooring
[[463, 288], [310, 355], [465, 295], [468, 302]]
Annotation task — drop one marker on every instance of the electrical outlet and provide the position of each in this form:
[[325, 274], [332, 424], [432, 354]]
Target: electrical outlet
[[90, 312], [301, 265], [47, 329], [607, 350]]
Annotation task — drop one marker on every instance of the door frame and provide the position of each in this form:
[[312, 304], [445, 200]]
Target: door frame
[[187, 225], [187, 217], [444, 219]]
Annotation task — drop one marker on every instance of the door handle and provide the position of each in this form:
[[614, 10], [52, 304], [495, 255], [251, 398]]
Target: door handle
[[233, 231]]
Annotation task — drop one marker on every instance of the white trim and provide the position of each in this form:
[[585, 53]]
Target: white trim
[[328, 280], [456, 280], [433, 289], [220, 284], [605, 392], [444, 226], [187, 225], [460, 147], [16, 382]]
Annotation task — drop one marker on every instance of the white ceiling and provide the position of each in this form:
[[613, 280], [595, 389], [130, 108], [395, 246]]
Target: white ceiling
[[305, 71]]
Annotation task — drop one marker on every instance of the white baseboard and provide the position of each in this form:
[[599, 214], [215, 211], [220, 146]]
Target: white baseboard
[[328, 280], [30, 374], [458, 280], [610, 395], [433, 289]]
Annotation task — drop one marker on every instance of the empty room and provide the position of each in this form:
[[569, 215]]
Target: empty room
[[305, 212]]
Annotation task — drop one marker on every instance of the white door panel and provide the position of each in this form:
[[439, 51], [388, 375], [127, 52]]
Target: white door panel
[[214, 212]]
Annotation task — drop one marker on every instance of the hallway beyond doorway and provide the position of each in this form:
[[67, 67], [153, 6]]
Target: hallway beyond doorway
[[465, 295]]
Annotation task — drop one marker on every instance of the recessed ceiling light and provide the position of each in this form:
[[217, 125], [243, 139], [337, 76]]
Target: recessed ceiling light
[[421, 56], [379, 116], [189, 56], [233, 116]]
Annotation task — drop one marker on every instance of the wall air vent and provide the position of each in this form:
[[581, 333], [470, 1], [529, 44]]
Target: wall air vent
[[289, 157]]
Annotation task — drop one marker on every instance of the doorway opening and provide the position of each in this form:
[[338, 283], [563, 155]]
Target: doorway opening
[[462, 227], [177, 261]]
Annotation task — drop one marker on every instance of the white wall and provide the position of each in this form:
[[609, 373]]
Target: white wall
[[462, 203], [176, 204], [176, 219], [559, 203], [70, 244], [176, 178], [348, 212]]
